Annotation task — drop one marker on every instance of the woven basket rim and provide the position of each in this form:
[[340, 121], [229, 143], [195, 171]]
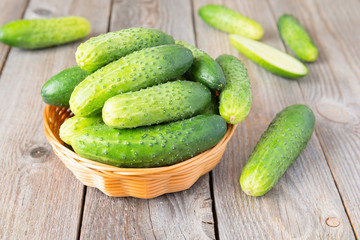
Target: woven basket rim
[[57, 143]]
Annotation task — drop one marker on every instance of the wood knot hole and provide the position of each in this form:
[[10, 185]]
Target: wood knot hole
[[42, 12], [332, 222], [38, 152]]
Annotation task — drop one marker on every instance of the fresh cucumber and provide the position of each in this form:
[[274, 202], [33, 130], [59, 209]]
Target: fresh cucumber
[[137, 70], [236, 98], [75, 125], [42, 33], [166, 102], [283, 141], [270, 58], [153, 146], [228, 20], [57, 90], [103, 49], [296, 37], [212, 107], [204, 69]]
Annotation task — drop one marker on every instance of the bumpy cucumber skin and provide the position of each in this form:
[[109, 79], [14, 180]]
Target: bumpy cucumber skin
[[166, 102], [228, 20], [137, 70], [283, 141], [76, 125], [296, 37], [257, 59], [42, 33], [57, 90], [236, 98], [153, 146], [204, 69], [212, 107], [103, 49]]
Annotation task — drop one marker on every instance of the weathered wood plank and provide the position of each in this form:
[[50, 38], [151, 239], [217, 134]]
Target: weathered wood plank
[[10, 10], [39, 197], [302, 201], [332, 89], [184, 215]]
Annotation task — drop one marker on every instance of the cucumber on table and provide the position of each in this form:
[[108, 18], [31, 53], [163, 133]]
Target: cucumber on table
[[42, 33], [153, 146], [204, 69], [296, 37], [166, 102], [270, 58], [57, 90], [228, 20], [235, 98], [141, 69], [283, 141], [105, 48]]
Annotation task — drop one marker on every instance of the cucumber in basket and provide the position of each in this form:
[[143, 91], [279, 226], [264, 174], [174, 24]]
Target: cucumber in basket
[[41, 33], [153, 146], [57, 90], [283, 141], [133, 72], [204, 69], [105, 48], [166, 102], [235, 98]]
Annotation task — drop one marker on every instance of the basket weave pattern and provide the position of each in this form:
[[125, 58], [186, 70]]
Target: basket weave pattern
[[136, 182]]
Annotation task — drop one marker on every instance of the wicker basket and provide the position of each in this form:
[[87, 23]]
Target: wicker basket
[[136, 182]]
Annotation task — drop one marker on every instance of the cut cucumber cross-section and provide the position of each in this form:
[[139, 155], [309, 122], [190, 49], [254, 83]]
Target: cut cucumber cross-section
[[270, 58]]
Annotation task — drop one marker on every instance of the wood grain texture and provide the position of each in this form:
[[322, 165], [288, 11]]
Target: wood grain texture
[[10, 10], [183, 215], [306, 196], [332, 89], [39, 197]]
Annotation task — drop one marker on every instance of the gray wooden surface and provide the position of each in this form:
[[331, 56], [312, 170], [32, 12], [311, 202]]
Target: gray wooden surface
[[318, 197]]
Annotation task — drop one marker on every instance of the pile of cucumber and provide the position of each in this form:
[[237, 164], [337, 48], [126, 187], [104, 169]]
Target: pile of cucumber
[[142, 99]]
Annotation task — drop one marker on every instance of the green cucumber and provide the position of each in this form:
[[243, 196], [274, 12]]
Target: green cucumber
[[270, 58], [166, 102], [204, 69], [236, 98], [76, 125], [283, 141], [296, 37], [153, 146], [228, 20], [105, 48], [57, 90], [212, 107], [137, 70], [42, 33]]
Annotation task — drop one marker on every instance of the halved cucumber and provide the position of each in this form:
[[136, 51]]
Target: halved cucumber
[[270, 58]]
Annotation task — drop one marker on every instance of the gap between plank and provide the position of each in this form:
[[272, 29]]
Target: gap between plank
[[212, 195], [81, 212], [2, 65], [317, 134]]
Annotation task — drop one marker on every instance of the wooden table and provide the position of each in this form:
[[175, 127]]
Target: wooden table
[[317, 198]]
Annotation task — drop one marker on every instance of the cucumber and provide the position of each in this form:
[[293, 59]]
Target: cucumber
[[42, 33], [57, 90], [204, 69], [236, 98], [283, 141], [270, 58], [75, 125], [212, 107], [153, 146], [228, 20], [166, 102], [103, 49], [296, 37], [137, 70]]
